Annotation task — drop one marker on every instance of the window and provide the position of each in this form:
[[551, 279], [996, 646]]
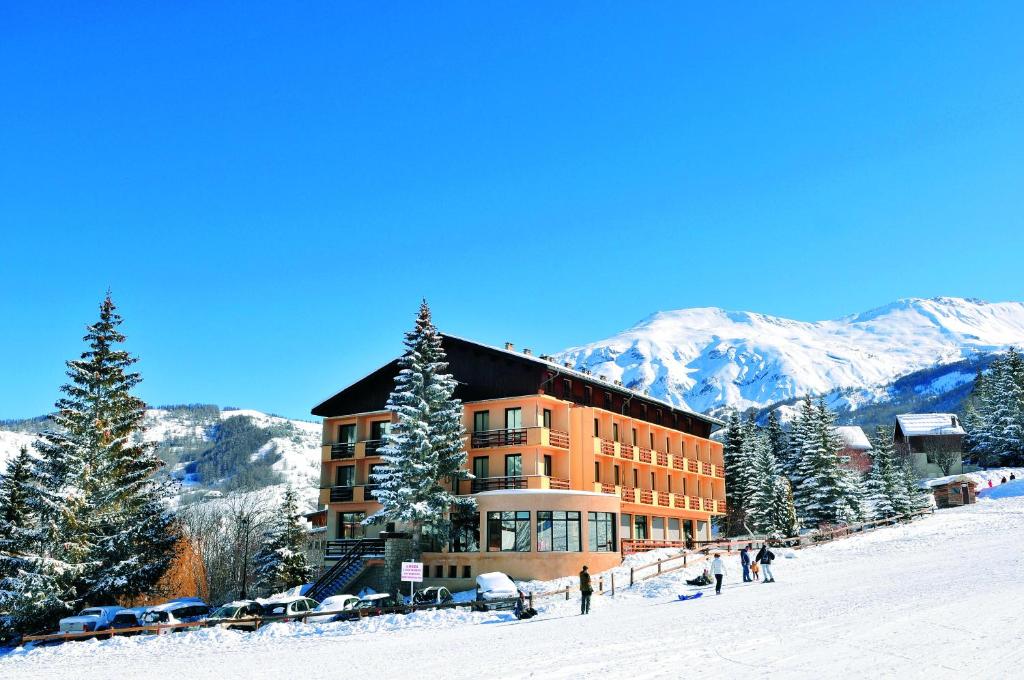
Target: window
[[667, 447], [379, 428], [608, 400], [626, 522], [673, 530], [567, 390], [508, 531], [615, 432], [547, 418], [597, 471], [658, 528], [653, 485], [513, 465], [597, 428], [347, 434], [438, 571], [601, 531], [588, 395], [481, 467], [634, 436], [453, 571], [481, 421], [465, 532], [350, 524], [652, 440], [615, 468], [636, 480], [558, 531], [467, 572], [547, 466], [669, 483], [640, 527], [346, 475], [513, 418]]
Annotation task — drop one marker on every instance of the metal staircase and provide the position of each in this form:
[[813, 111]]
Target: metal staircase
[[351, 563]]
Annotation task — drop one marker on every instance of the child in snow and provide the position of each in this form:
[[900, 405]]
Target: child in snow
[[755, 571]]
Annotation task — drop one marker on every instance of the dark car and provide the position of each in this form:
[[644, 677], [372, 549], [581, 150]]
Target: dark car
[[127, 618], [373, 605], [432, 595]]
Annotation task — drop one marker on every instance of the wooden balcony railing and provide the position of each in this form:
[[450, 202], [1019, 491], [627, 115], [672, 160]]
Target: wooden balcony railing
[[679, 463], [558, 483], [692, 465], [663, 499], [636, 545], [608, 488], [705, 468], [647, 496], [628, 495], [495, 483], [645, 455], [662, 459], [340, 451], [491, 438], [372, 445], [558, 438], [607, 447], [626, 451], [342, 494]]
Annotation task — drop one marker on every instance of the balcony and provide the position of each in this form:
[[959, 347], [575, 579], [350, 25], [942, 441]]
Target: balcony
[[662, 459], [663, 499], [342, 494], [645, 455], [371, 446], [627, 451], [558, 439], [518, 482], [341, 451]]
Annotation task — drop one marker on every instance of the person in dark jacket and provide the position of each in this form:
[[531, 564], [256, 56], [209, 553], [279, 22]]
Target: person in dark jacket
[[585, 591], [523, 610], [765, 557], [745, 562], [702, 580]]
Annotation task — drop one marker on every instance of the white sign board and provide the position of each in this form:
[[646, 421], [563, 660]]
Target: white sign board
[[412, 571]]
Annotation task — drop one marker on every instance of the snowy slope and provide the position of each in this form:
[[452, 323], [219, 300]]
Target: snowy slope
[[707, 358], [938, 598], [292, 445]]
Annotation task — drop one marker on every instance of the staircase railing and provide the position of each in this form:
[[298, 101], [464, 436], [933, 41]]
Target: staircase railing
[[356, 552]]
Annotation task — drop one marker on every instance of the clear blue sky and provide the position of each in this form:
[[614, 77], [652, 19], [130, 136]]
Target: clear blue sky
[[270, 189]]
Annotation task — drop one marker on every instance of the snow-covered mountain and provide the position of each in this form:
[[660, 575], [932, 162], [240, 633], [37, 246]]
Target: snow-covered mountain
[[210, 450], [709, 358]]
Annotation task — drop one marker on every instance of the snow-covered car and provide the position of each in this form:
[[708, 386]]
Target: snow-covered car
[[373, 605], [334, 603], [235, 615], [90, 619], [495, 590], [432, 595], [182, 610], [288, 607], [127, 618]]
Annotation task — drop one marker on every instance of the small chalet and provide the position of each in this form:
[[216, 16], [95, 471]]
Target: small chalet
[[954, 492], [932, 441], [856, 448]]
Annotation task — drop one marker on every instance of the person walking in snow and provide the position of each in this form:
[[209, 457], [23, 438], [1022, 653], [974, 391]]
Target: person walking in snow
[[765, 557], [745, 562], [585, 591], [718, 570]]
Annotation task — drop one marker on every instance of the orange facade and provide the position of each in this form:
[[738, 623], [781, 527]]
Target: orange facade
[[583, 483]]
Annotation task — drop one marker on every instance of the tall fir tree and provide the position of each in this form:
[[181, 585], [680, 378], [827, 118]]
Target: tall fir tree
[[994, 413], [777, 439], [760, 490], [107, 529], [783, 510], [735, 454], [886, 486], [826, 492], [424, 449], [19, 539], [281, 560]]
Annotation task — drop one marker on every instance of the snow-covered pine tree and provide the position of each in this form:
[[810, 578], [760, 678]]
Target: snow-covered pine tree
[[777, 440], [886, 486], [826, 492], [783, 511], [424, 448], [281, 560], [798, 432], [735, 454], [19, 536], [1005, 434], [107, 530], [760, 492]]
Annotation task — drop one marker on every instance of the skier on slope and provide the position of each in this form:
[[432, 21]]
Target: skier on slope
[[765, 557], [718, 569]]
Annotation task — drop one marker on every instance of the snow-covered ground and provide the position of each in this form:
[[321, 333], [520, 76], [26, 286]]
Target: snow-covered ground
[[939, 598]]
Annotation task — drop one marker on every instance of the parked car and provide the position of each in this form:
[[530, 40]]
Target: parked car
[[289, 606], [90, 619], [334, 603], [373, 605], [495, 590], [432, 595], [182, 610], [127, 618], [233, 615]]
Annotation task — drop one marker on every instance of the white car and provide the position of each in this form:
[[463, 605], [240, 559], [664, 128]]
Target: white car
[[495, 585], [334, 603], [182, 610], [237, 615], [288, 606], [87, 620]]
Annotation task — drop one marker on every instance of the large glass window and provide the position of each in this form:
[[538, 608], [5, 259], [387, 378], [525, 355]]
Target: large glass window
[[547, 418], [547, 465], [347, 434], [601, 531], [465, 532], [674, 532], [508, 531], [379, 428], [640, 527], [481, 467], [350, 524], [658, 528], [346, 475], [615, 432], [615, 470], [558, 531], [626, 522], [513, 418], [481, 421], [513, 465]]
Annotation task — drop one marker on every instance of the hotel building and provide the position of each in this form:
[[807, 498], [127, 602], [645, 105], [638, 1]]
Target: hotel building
[[568, 469]]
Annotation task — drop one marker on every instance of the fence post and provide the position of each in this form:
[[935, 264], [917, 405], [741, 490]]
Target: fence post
[[531, 600], [600, 585], [631, 577], [567, 593], [613, 584], [684, 560], [659, 566]]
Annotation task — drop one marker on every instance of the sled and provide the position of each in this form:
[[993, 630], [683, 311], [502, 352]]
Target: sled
[[694, 596]]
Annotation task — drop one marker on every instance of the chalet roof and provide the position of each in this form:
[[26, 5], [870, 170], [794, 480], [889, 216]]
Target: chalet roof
[[929, 424], [854, 437], [339, 402]]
